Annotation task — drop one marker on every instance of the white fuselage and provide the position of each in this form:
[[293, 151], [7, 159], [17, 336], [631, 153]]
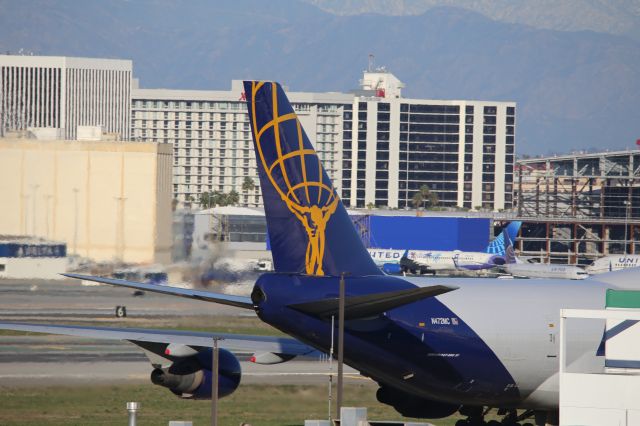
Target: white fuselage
[[385, 256], [614, 263], [521, 327], [450, 260], [541, 270]]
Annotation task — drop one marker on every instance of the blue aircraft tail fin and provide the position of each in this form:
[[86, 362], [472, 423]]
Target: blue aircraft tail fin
[[510, 252], [498, 245], [309, 229]]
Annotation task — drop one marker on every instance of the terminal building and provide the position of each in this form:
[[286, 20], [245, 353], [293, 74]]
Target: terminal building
[[378, 147], [576, 208], [60, 93]]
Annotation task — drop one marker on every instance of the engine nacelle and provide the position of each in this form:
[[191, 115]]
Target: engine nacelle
[[192, 377], [392, 268], [411, 406], [269, 358]]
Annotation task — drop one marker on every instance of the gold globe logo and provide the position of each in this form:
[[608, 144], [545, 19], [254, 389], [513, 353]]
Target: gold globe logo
[[312, 208]]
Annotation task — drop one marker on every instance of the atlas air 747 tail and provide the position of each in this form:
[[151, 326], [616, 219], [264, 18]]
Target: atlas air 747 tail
[[309, 229], [433, 347]]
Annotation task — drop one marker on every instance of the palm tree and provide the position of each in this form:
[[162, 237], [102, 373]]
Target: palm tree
[[205, 200], [424, 197], [247, 184], [232, 198], [417, 200]]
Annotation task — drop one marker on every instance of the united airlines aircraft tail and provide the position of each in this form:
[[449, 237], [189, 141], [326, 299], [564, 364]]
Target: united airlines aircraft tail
[[309, 229], [510, 252], [499, 244]]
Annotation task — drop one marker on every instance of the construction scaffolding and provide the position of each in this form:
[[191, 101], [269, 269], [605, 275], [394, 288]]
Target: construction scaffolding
[[579, 207]]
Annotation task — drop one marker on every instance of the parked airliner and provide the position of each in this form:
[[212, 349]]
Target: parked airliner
[[433, 348], [429, 261], [519, 269], [614, 263]]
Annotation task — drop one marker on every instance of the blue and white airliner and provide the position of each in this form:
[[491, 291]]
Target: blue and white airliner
[[432, 261], [428, 261]]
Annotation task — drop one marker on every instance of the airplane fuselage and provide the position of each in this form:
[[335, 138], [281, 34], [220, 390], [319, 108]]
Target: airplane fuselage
[[385, 256], [614, 263], [452, 260], [463, 347], [543, 270]]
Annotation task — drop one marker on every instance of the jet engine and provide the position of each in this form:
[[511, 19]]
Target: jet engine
[[191, 377], [411, 406]]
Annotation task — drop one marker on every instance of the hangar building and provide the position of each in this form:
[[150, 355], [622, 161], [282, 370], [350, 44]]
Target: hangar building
[[108, 200]]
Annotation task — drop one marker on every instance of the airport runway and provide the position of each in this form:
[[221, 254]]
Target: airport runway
[[44, 360], [37, 298]]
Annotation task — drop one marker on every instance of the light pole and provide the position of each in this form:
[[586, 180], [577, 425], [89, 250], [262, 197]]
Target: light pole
[[25, 217], [120, 245], [34, 188], [627, 204], [333, 327], [340, 343], [214, 381], [47, 198], [75, 221]]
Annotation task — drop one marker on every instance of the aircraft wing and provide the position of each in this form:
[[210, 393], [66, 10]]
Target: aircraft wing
[[232, 342], [224, 299]]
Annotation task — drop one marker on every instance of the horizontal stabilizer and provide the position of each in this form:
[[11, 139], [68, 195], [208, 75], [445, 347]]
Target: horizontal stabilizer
[[368, 305], [224, 299]]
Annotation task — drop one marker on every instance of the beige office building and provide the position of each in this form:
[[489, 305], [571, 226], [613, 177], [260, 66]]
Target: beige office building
[[107, 200]]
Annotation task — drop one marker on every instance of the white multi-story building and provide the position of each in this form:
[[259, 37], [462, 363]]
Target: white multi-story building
[[378, 147], [211, 138], [392, 146], [62, 93]]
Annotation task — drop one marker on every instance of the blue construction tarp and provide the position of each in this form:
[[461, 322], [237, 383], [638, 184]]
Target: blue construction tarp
[[429, 233], [422, 233]]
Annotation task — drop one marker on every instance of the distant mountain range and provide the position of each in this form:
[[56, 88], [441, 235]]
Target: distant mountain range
[[575, 89], [618, 17]]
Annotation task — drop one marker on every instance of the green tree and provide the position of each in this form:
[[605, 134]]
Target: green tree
[[248, 185], [425, 198], [232, 198], [205, 200]]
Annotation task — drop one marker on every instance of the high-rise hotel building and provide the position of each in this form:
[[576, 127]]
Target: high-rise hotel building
[[378, 147], [392, 146], [211, 136], [62, 93]]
